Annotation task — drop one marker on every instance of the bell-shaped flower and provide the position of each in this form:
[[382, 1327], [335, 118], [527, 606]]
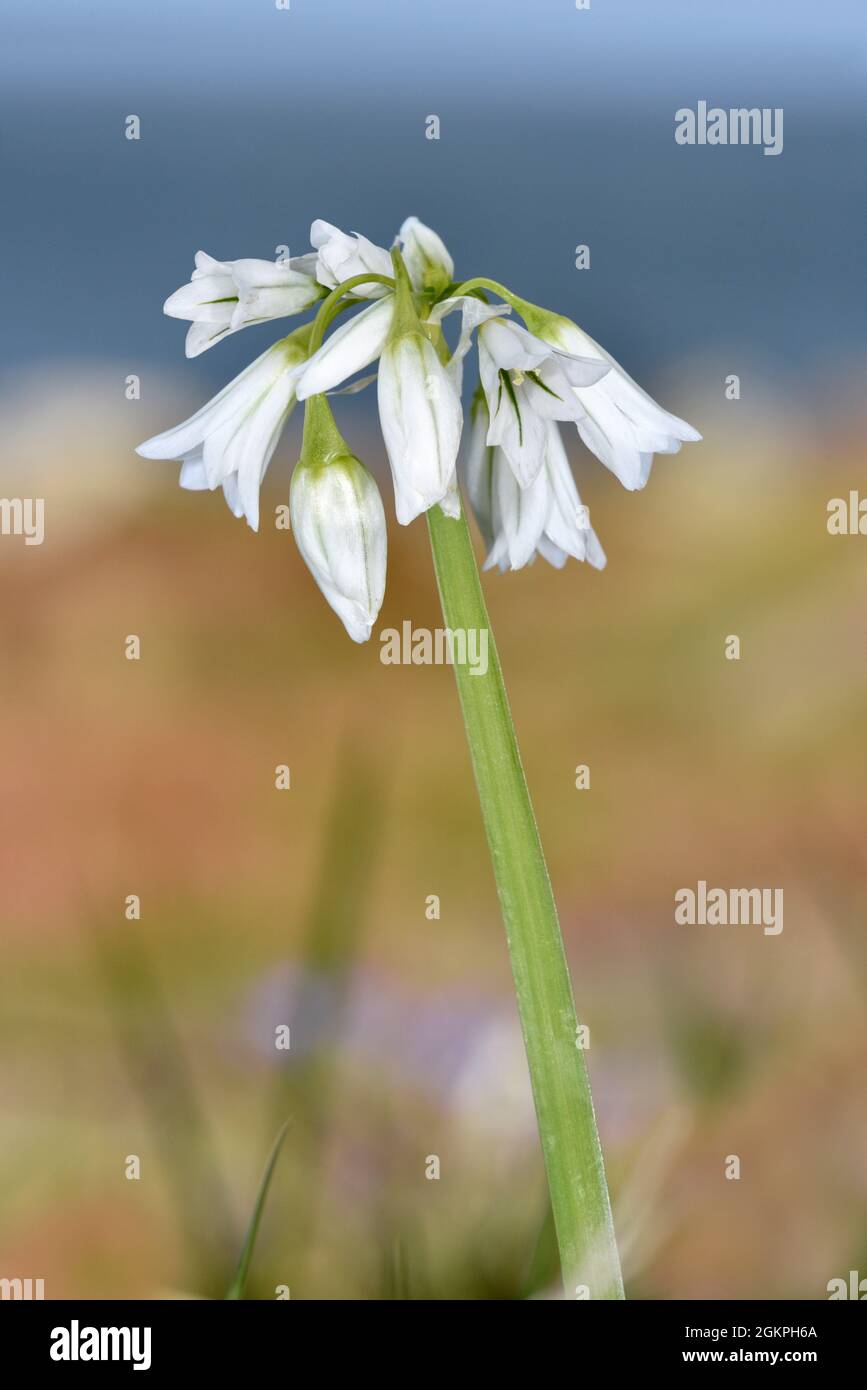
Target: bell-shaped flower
[[526, 385], [431, 268], [341, 255], [223, 296], [545, 518], [339, 523], [419, 410], [230, 441], [620, 423]]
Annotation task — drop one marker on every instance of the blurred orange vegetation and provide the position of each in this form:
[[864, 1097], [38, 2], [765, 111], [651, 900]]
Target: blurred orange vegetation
[[156, 777]]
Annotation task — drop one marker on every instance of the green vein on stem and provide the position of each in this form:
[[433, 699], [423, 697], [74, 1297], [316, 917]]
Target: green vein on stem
[[558, 1072]]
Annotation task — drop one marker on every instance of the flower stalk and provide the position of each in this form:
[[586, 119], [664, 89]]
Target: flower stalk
[[330, 306], [558, 1072]]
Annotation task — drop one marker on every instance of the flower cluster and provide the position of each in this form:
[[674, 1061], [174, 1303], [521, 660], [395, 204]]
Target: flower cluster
[[532, 378]]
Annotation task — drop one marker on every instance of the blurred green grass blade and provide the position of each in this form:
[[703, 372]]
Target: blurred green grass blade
[[156, 1060], [239, 1283], [332, 937]]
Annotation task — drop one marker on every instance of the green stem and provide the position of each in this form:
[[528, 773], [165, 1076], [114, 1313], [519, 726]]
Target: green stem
[[330, 305], [536, 318], [481, 282], [561, 1088], [239, 1283]]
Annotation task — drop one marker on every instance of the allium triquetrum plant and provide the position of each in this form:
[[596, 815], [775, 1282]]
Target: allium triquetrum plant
[[534, 375]]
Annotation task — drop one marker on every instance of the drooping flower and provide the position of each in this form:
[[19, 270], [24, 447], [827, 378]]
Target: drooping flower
[[546, 517], [223, 296], [431, 268], [419, 411], [620, 424], [341, 255], [526, 385], [339, 523], [230, 441], [420, 415]]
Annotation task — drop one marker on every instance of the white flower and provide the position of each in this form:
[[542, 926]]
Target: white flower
[[342, 255], [545, 518], [622, 425], [421, 418], [230, 441], [518, 475], [526, 384], [358, 342], [339, 525], [419, 398], [351, 347], [473, 313], [223, 296], [431, 268]]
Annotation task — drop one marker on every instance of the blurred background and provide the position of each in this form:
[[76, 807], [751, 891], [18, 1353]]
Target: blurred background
[[306, 908]]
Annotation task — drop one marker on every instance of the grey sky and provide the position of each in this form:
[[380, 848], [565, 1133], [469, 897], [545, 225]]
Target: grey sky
[[742, 49]]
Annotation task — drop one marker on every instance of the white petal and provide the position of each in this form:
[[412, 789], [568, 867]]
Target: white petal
[[478, 470], [613, 438], [451, 502], [552, 553], [208, 265], [231, 440], [321, 232], [522, 512], [514, 426], [567, 525], [232, 494], [354, 386], [203, 299], [651, 423], [512, 347], [643, 409], [339, 525], [193, 476], [547, 392], [269, 290], [349, 349], [421, 418], [473, 313], [624, 426], [305, 264], [237, 396], [224, 296], [580, 371], [244, 443], [201, 336], [342, 256], [523, 440], [428, 262]]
